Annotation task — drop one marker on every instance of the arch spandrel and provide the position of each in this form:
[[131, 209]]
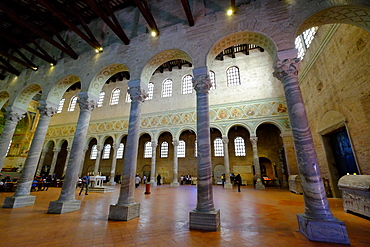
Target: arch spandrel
[[23, 99], [100, 78], [243, 37], [57, 91], [160, 59]]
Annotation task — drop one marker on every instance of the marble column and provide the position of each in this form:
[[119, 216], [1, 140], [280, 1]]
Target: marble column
[[11, 119], [115, 147], [41, 162], [82, 161], [175, 181], [66, 163], [67, 201], [153, 180], [22, 197], [98, 158], [317, 222], [225, 141], [54, 160], [204, 216], [126, 209], [256, 161]]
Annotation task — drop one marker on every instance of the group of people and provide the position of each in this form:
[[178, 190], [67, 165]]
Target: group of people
[[237, 180], [41, 183], [187, 179]]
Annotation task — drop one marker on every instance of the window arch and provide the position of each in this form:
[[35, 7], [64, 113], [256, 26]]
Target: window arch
[[106, 151], [303, 41], [212, 78], [120, 149], [181, 149], [61, 104], [148, 150], [114, 99], [218, 147], [239, 146], [94, 152], [233, 77], [150, 91], [167, 88], [72, 103], [187, 84], [101, 99], [164, 150]]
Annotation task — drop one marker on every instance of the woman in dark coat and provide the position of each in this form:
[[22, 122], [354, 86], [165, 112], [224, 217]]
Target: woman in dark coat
[[238, 181]]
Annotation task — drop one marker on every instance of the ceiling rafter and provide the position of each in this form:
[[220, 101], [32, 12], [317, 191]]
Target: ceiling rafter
[[8, 67], [27, 64], [186, 6], [58, 14], [115, 25], [147, 14]]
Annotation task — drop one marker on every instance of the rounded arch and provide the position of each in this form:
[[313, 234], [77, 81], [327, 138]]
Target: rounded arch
[[25, 96], [160, 132], [146, 132], [185, 128], [160, 59], [58, 90], [120, 137], [347, 14], [330, 121], [60, 142], [101, 77], [105, 137], [244, 125], [270, 121], [4, 97], [243, 37], [48, 144]]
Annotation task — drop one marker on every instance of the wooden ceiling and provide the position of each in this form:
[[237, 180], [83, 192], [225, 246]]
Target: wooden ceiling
[[24, 22]]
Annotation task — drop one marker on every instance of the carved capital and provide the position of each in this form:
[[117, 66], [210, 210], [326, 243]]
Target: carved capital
[[13, 116], [175, 142], [202, 83], [86, 104], [154, 143], [286, 67], [136, 94], [46, 111], [254, 140], [225, 139]]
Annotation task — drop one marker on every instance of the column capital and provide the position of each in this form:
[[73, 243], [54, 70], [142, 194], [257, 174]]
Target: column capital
[[286, 67], [56, 150], [225, 139], [68, 149], [99, 147], [154, 143], [86, 104], [202, 83], [137, 95], [13, 116], [175, 142], [254, 140], [46, 111]]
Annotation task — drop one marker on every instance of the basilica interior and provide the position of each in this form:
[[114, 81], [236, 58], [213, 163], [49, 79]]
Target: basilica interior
[[194, 93]]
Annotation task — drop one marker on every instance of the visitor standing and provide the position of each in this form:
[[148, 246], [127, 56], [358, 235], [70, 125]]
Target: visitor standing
[[238, 181], [85, 183]]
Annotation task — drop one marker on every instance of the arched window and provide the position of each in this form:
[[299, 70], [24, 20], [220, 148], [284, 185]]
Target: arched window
[[150, 91], [94, 152], [61, 104], [239, 146], [128, 98], [115, 96], [106, 151], [196, 148], [218, 147], [72, 103], [212, 77], [7, 151], [167, 88], [187, 84], [181, 149], [120, 151], [233, 77], [101, 99], [148, 150], [303, 41], [164, 150]]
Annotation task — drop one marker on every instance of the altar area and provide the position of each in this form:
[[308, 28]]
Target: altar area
[[97, 184]]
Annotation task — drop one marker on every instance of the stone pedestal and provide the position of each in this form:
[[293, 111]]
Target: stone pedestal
[[60, 207], [323, 231], [209, 221], [112, 183], [228, 186], [125, 212], [19, 201], [175, 184]]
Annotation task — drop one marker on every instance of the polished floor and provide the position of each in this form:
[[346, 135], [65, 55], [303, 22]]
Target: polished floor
[[248, 218]]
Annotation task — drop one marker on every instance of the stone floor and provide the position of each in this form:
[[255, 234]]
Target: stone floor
[[248, 218]]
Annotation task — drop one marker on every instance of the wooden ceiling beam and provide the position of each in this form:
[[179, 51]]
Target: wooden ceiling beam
[[17, 60], [8, 67], [52, 9], [186, 6], [147, 14], [178, 63], [24, 57], [26, 24], [115, 25]]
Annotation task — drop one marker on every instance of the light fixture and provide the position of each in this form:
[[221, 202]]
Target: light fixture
[[153, 33], [51, 64], [99, 49], [35, 68], [230, 12]]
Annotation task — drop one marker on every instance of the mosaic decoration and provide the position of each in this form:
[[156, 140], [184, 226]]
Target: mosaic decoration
[[26, 95], [58, 90]]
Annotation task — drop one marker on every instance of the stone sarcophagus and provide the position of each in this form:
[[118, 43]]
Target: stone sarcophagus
[[356, 193]]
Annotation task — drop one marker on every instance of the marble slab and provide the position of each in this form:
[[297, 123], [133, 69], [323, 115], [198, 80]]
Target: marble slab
[[124, 212], [61, 207], [19, 201], [209, 221]]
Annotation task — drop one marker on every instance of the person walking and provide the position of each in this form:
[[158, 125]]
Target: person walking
[[159, 177], [85, 183], [238, 181], [137, 181]]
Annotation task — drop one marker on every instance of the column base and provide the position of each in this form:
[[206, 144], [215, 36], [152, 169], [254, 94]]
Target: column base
[[125, 212], [112, 183], [175, 184], [209, 221], [153, 183], [19, 201], [228, 186], [59, 207], [259, 185], [323, 231]]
